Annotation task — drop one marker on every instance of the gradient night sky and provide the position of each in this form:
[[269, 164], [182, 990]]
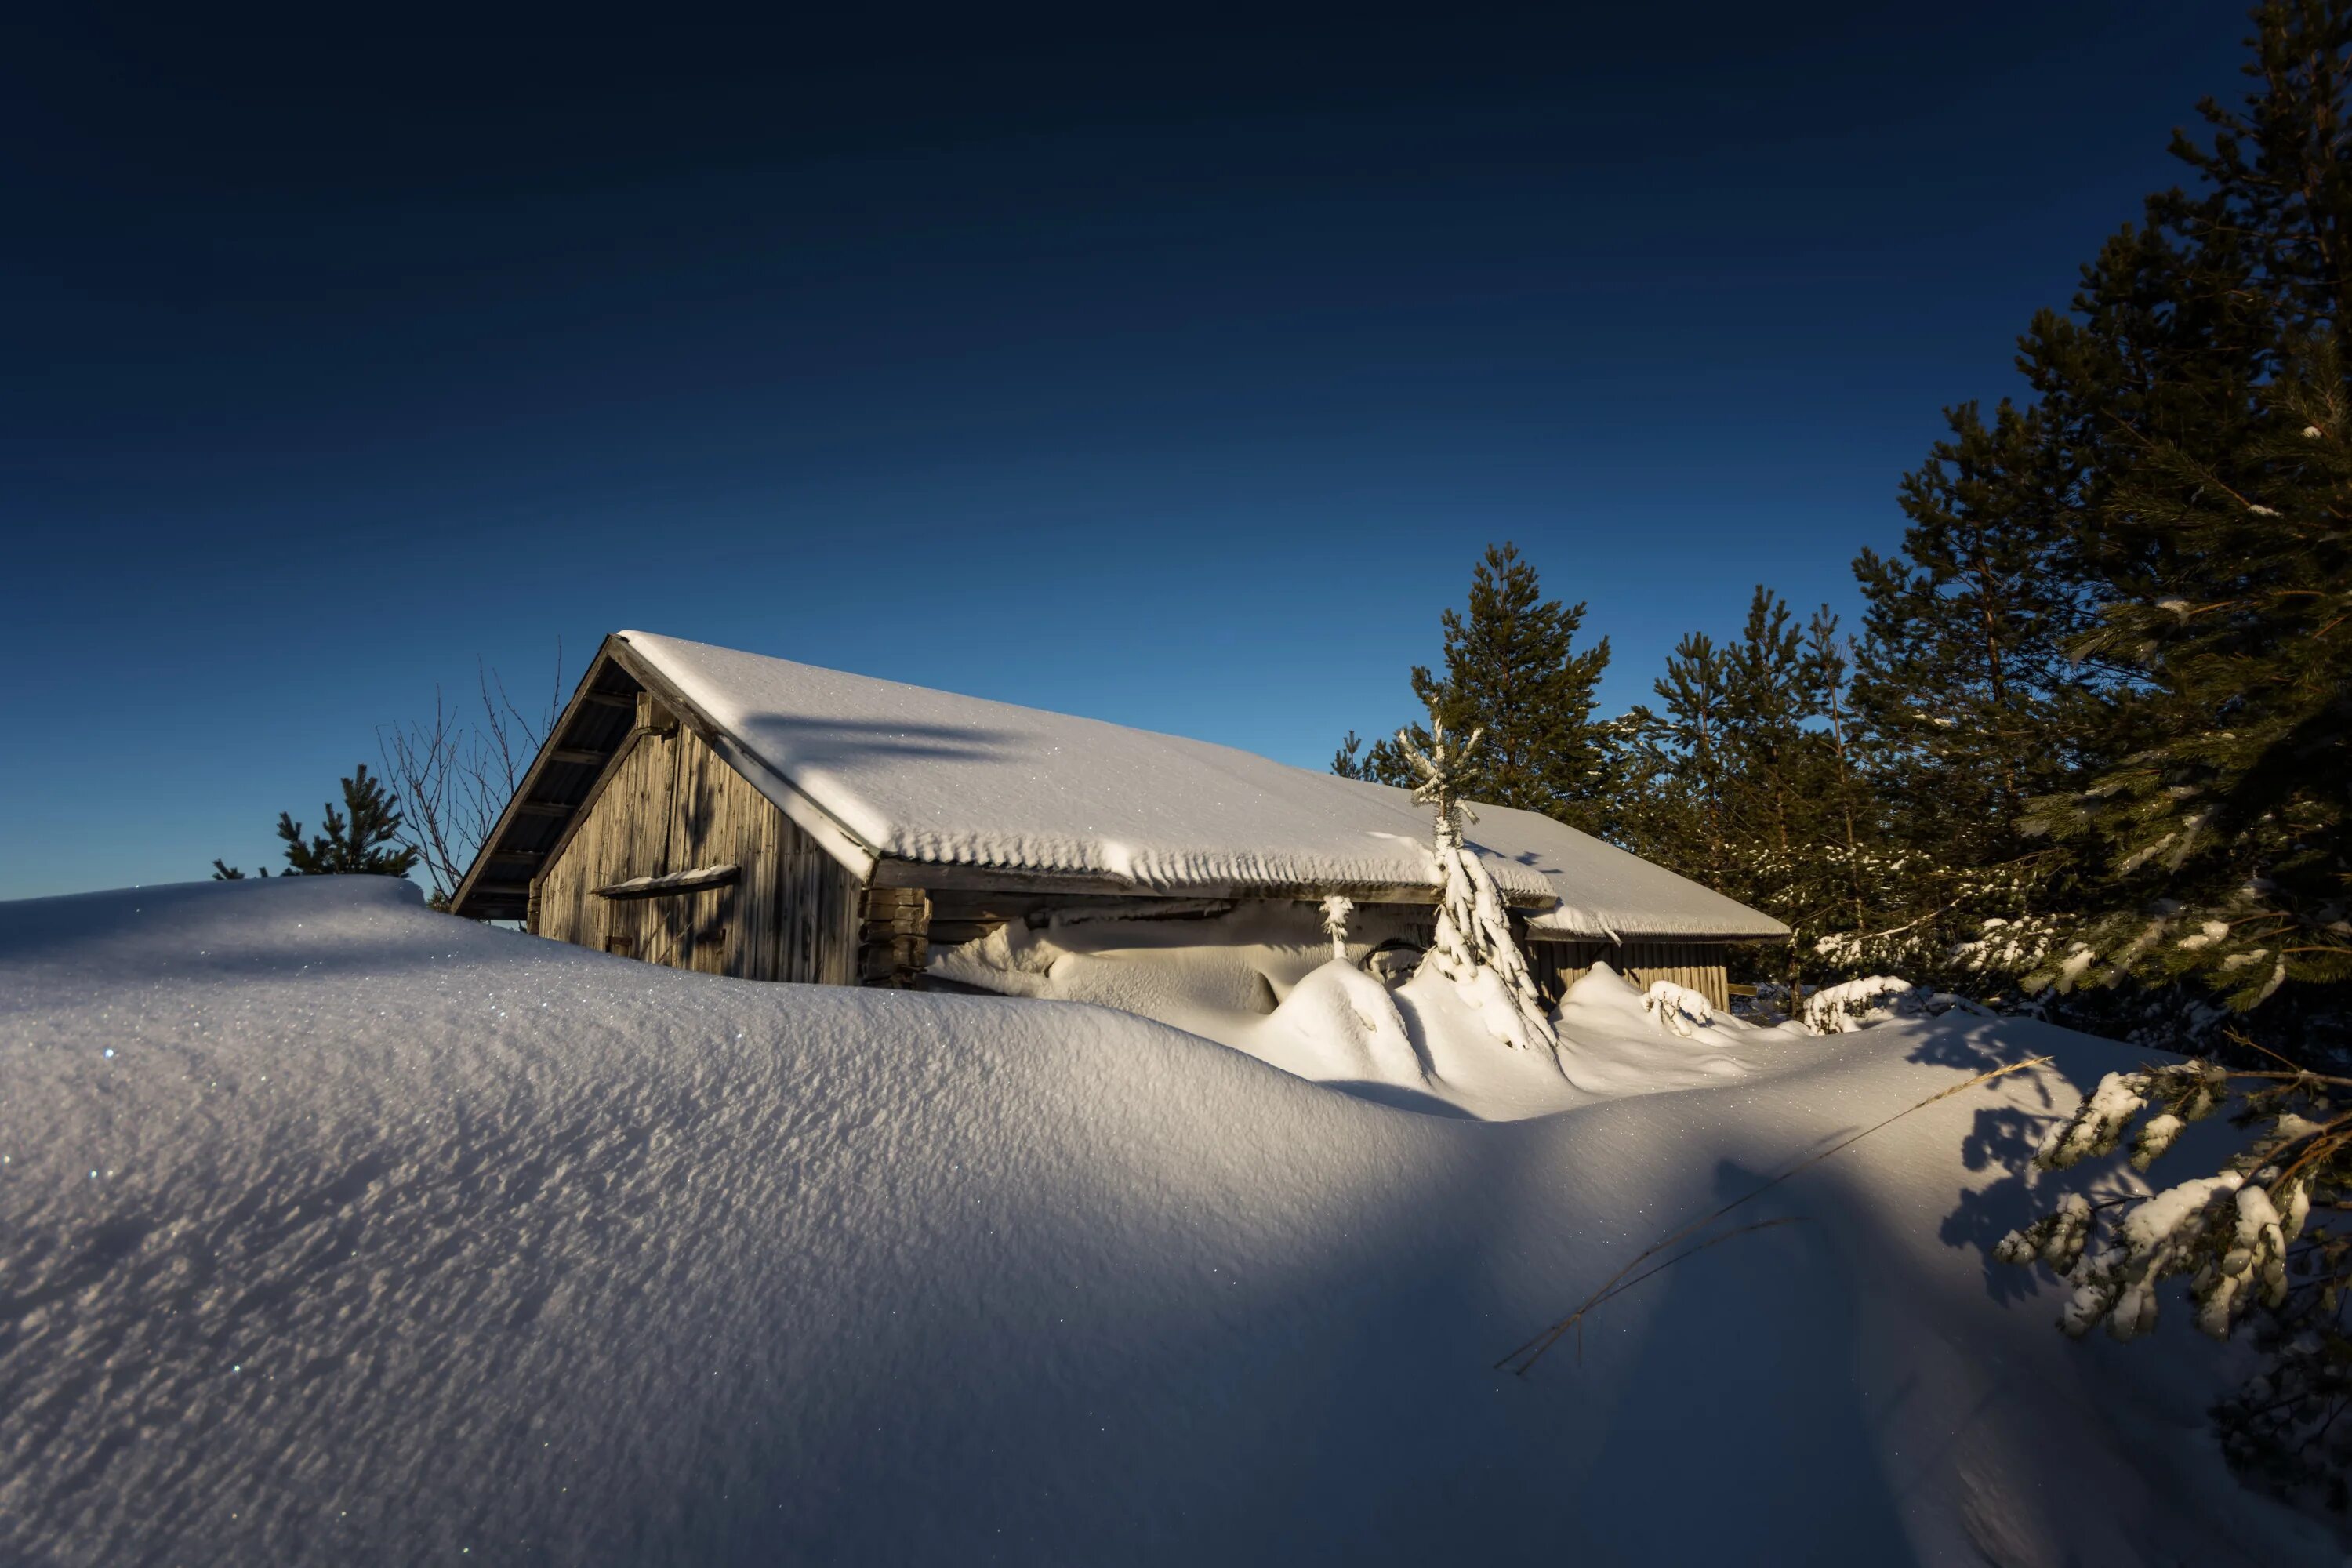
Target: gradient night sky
[[1172, 376]]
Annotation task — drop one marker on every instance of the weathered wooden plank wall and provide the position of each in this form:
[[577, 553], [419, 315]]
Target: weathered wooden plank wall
[[670, 804], [1557, 965]]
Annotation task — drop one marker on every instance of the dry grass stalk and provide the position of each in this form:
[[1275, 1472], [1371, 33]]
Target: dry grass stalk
[[1522, 1361]]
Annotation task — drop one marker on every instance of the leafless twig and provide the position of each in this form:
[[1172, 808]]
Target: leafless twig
[[454, 775], [1522, 1361]]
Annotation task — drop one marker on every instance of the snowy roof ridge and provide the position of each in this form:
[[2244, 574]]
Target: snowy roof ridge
[[933, 777]]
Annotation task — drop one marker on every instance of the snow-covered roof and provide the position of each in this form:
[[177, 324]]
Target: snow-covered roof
[[913, 774], [1605, 891]]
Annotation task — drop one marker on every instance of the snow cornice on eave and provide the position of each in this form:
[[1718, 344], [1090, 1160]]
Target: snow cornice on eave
[[908, 786]]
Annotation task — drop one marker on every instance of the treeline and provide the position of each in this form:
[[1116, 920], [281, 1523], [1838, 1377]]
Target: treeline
[[2095, 731]]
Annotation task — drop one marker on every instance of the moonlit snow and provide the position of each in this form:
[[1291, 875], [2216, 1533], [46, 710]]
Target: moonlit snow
[[336, 1231]]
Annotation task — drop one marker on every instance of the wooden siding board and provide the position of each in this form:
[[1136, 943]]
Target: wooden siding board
[[588, 724], [1699, 965], [669, 804], [813, 821]]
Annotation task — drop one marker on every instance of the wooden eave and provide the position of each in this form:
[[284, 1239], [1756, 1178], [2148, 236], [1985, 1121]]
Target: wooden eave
[[593, 728]]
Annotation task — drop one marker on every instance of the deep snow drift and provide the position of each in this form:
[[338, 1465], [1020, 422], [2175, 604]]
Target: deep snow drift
[[1259, 979], [333, 1230]]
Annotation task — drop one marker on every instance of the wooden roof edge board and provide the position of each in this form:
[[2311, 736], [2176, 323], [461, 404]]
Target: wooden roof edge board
[[855, 855], [604, 781], [701, 880], [583, 695]]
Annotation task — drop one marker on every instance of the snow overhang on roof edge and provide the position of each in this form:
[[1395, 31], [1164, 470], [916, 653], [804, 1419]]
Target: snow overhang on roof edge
[[907, 776]]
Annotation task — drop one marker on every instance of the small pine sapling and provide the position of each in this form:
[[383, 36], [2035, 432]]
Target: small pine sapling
[[1336, 910], [362, 839], [1474, 947]]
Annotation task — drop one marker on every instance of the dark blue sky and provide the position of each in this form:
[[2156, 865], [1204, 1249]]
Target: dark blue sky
[[1175, 375]]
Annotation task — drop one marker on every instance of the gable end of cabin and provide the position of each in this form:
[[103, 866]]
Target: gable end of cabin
[[633, 835]]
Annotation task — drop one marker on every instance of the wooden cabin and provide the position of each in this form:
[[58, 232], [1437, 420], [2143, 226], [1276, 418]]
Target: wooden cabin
[[724, 812]]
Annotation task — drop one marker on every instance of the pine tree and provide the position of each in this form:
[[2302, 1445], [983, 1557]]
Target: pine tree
[[1974, 689], [360, 839], [1349, 762], [1751, 780], [1768, 699], [1785, 841], [1679, 755], [1963, 675], [2225, 840], [2196, 405], [1336, 908], [1828, 669], [1513, 670], [2163, 462]]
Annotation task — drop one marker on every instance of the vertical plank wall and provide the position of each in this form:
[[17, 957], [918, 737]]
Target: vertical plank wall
[[674, 805], [1697, 964]]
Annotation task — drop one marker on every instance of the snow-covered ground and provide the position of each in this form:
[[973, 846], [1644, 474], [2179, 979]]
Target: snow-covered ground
[[1258, 979], [333, 1230]]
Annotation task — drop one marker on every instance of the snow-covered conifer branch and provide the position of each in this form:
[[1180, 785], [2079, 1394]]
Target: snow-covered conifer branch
[[1336, 910], [2233, 1232], [1522, 1360]]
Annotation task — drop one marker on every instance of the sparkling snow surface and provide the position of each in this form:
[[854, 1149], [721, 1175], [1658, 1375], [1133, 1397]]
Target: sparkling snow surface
[[931, 776], [336, 1231]]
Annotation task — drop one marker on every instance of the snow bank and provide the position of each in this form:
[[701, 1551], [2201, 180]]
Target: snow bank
[[1220, 977], [1677, 1008], [931, 776], [339, 1231], [1341, 1026], [1851, 1004]]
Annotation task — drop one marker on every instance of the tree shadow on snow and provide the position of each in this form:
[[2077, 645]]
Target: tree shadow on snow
[[2004, 1137], [866, 740], [1747, 1378], [1401, 1097], [1975, 1046]]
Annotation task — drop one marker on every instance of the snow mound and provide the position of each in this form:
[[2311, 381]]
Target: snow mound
[[1852, 1004], [1341, 1026], [1677, 1008], [339, 1231], [1625, 1044], [1221, 977]]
